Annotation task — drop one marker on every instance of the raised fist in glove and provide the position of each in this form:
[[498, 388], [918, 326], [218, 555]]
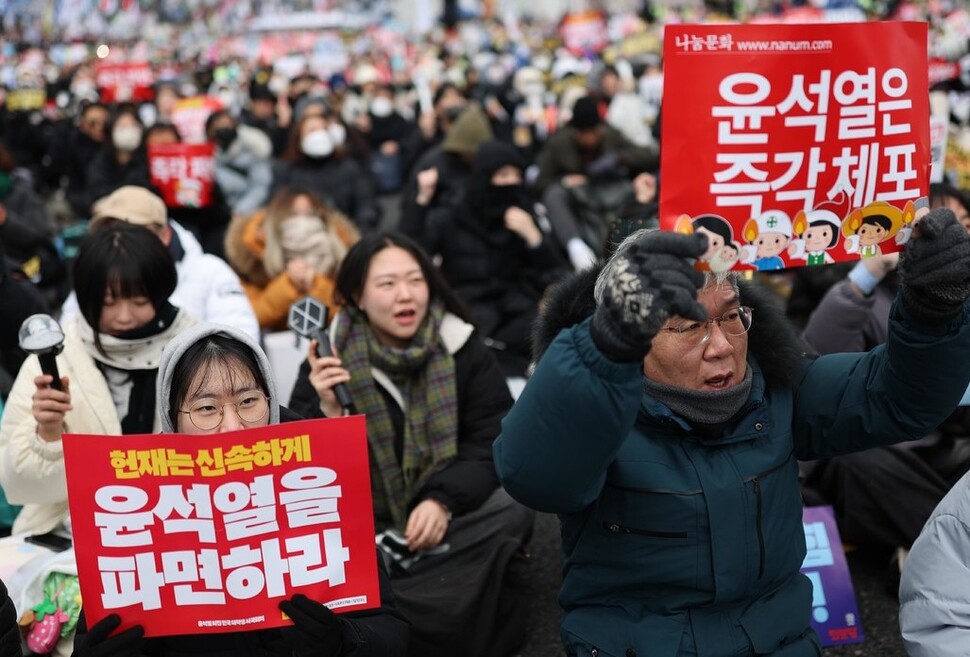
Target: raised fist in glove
[[935, 267], [316, 631], [650, 279], [96, 642]]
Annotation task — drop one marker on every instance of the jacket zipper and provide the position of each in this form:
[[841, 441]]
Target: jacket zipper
[[761, 536], [616, 528]]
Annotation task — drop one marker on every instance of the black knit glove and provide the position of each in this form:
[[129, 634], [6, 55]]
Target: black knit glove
[[935, 268], [97, 643], [316, 631], [649, 280]]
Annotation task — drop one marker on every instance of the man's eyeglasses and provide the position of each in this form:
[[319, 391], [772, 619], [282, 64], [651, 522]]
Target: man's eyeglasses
[[206, 414], [734, 322]]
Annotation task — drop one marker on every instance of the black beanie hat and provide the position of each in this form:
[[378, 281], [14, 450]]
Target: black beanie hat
[[586, 114]]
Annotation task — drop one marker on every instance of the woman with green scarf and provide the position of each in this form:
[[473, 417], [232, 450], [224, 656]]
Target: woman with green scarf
[[434, 397]]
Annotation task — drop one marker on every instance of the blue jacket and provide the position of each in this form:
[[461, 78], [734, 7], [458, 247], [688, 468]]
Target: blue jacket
[[678, 545]]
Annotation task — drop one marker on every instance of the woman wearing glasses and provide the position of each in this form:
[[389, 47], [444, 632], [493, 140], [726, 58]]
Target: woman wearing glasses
[[215, 378], [664, 431]]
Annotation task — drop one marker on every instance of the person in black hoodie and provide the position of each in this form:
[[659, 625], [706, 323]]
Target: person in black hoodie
[[493, 253], [121, 161]]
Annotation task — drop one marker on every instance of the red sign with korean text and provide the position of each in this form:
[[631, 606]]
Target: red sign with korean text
[[185, 173], [190, 534], [795, 145], [190, 114], [122, 83]]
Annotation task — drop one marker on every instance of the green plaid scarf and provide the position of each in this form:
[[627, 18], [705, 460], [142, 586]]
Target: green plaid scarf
[[424, 373]]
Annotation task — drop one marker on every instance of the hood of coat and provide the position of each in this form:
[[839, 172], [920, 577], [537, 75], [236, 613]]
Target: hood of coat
[[772, 342], [177, 347], [245, 245]]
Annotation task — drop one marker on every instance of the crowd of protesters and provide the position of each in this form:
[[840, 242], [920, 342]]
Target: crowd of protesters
[[433, 192]]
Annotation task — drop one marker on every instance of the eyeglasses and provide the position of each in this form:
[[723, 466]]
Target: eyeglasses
[[734, 322], [206, 414]]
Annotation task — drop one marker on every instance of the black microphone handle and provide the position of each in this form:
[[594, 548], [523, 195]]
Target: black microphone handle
[[340, 390], [49, 366]]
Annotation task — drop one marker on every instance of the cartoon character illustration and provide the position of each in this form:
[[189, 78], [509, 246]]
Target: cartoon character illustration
[[818, 231], [768, 237], [867, 227], [718, 231], [922, 206]]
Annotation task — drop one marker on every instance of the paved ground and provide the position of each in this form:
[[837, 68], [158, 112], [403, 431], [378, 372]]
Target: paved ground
[[877, 609]]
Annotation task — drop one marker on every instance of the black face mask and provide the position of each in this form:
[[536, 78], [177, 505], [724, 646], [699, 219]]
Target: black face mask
[[502, 197], [224, 137]]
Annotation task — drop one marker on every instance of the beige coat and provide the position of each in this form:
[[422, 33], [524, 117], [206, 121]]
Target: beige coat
[[31, 469]]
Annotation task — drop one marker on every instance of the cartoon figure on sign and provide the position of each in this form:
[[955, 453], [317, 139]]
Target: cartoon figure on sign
[[767, 237], [868, 227], [818, 232], [719, 234]]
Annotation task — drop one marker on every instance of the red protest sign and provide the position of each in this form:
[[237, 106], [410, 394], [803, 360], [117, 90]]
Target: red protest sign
[[190, 534], [190, 114], [795, 144], [129, 82], [185, 173]]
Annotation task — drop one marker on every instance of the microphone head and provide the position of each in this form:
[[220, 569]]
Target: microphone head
[[307, 316], [40, 334]]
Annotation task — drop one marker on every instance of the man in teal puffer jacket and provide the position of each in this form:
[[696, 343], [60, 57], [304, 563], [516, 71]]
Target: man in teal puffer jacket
[[667, 442]]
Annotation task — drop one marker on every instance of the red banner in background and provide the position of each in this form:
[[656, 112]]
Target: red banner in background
[[122, 83], [795, 145], [190, 534], [185, 173], [190, 114]]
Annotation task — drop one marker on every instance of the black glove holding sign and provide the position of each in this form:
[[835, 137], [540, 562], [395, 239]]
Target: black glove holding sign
[[96, 642], [935, 268], [648, 280], [316, 631]]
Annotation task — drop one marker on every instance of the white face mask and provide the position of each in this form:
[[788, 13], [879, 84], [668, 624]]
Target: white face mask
[[126, 138], [338, 134], [317, 143], [381, 106]]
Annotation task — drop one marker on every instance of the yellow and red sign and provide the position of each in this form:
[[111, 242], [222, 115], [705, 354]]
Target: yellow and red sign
[[189, 534]]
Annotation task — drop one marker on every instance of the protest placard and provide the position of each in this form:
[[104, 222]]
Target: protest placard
[[208, 533], [795, 145], [184, 173], [125, 82], [190, 114]]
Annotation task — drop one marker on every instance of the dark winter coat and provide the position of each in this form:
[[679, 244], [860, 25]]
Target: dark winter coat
[[9, 630], [678, 544], [342, 182]]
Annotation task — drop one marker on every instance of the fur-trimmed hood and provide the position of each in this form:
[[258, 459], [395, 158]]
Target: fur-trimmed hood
[[772, 342]]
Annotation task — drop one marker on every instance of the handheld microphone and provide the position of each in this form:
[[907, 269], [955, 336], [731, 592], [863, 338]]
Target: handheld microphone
[[308, 318], [42, 336]]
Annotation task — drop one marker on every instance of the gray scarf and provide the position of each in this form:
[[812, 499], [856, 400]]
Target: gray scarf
[[703, 407]]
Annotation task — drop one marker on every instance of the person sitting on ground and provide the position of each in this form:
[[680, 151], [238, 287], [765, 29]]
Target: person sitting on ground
[[664, 430], [229, 365]]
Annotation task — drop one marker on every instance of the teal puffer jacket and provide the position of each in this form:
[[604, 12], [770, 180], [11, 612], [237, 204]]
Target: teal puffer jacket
[[678, 545]]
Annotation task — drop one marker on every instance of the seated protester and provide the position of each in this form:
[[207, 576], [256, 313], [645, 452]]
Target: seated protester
[[216, 360], [207, 288], [206, 223], [433, 396], [936, 579], [121, 160], [28, 232], [124, 277], [664, 431], [244, 171], [385, 130], [316, 159], [493, 254], [447, 103], [882, 497], [70, 157], [290, 250], [19, 299]]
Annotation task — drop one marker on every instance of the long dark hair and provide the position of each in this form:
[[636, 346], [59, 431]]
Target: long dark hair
[[126, 259], [353, 271], [205, 355]]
